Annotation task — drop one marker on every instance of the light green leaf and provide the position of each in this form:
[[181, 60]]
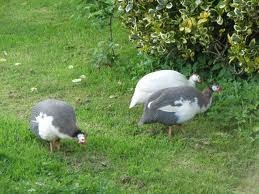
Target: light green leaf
[[169, 5], [220, 20], [159, 7]]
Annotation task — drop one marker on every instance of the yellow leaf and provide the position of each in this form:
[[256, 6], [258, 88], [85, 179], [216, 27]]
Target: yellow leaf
[[230, 40], [202, 21], [189, 23], [181, 29], [187, 30], [204, 14]]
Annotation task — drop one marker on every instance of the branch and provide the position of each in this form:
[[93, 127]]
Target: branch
[[111, 32]]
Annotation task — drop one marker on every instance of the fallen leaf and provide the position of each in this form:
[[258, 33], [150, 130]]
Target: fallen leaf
[[3, 60], [32, 190], [113, 96], [33, 89], [70, 67], [77, 80], [82, 76]]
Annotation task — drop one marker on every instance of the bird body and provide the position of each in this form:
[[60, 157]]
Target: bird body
[[176, 105], [46, 129], [52, 120], [159, 80]]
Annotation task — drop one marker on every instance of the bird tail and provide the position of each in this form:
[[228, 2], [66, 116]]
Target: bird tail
[[133, 102]]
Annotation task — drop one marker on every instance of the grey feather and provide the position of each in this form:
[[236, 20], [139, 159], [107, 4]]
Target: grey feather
[[63, 114], [169, 96]]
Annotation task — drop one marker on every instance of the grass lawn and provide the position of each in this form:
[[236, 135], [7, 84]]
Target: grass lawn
[[120, 157]]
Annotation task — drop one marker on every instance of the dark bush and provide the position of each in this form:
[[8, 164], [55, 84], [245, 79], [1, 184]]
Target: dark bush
[[221, 34]]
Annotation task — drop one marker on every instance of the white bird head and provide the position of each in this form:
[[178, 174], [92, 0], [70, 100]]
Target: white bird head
[[216, 88], [81, 137], [195, 78]]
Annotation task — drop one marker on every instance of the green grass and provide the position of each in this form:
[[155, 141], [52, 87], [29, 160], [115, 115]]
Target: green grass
[[120, 157]]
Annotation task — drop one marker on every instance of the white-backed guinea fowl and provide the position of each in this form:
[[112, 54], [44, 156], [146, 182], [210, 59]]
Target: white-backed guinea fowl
[[176, 105], [159, 80], [52, 120]]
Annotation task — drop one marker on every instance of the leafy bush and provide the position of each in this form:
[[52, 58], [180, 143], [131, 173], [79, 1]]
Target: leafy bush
[[100, 9], [101, 12], [217, 32], [104, 54], [237, 105]]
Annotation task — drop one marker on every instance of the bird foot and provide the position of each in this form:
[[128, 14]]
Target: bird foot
[[55, 144], [169, 132], [51, 146]]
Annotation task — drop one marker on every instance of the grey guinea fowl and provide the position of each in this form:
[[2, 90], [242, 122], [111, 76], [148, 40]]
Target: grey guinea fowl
[[52, 120], [176, 105]]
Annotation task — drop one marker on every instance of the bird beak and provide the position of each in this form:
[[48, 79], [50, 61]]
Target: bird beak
[[82, 141], [81, 138]]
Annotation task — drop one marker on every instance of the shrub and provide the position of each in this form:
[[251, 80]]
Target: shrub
[[237, 106], [218, 32], [101, 12]]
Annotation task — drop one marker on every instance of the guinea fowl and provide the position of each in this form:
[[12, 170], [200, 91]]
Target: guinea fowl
[[176, 105], [53, 120], [159, 80]]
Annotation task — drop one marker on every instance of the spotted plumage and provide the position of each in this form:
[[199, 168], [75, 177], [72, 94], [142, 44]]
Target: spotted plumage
[[52, 120], [159, 80], [176, 105]]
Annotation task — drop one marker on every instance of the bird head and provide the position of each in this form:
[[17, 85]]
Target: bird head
[[81, 137], [216, 88], [195, 78]]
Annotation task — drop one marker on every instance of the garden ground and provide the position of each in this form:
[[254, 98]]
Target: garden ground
[[40, 42]]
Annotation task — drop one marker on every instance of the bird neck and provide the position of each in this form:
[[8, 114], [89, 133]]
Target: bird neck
[[207, 97], [207, 92], [192, 82], [77, 132]]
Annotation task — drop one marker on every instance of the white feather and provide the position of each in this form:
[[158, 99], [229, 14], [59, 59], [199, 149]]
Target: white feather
[[186, 111], [47, 130], [149, 104], [156, 81]]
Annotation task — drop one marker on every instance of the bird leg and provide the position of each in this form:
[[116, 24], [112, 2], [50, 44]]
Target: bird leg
[[57, 142], [54, 144], [170, 132], [181, 129], [51, 145]]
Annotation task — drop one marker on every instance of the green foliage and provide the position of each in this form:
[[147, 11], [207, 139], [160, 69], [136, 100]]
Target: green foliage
[[104, 54], [237, 105], [100, 9], [120, 157], [102, 13], [224, 32], [244, 45]]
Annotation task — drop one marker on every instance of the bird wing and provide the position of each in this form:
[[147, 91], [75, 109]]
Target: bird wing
[[161, 79], [163, 101]]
